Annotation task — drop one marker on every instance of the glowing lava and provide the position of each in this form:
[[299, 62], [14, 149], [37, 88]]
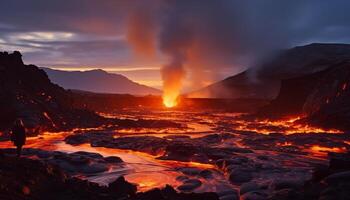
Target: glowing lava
[[170, 100], [323, 151], [286, 126]]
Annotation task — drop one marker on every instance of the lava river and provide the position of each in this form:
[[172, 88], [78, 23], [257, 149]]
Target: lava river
[[271, 149]]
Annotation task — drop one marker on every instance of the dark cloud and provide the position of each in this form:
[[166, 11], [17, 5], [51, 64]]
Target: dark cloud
[[217, 35]]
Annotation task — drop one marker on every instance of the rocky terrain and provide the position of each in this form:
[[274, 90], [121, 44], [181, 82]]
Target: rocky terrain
[[324, 97], [32, 179], [26, 92], [111, 102], [269, 156]]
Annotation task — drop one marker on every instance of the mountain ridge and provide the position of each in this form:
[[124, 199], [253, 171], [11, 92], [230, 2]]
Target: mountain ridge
[[264, 80], [98, 81]]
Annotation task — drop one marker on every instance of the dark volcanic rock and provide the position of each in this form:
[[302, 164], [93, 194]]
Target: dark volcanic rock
[[32, 179], [122, 187], [331, 183], [248, 187], [168, 193], [238, 176], [26, 92], [190, 185], [324, 96], [328, 105], [77, 139]]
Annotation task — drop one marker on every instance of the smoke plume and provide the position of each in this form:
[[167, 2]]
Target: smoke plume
[[141, 32], [205, 40]]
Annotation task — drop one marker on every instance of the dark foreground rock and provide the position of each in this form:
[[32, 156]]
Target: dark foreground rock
[[332, 183], [22, 178], [26, 92]]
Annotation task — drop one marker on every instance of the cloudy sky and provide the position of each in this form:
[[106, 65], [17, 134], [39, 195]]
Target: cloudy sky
[[137, 38]]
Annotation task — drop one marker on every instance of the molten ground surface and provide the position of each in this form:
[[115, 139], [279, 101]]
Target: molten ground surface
[[208, 151]]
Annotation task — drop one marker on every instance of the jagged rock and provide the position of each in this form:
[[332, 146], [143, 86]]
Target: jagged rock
[[121, 187], [26, 92]]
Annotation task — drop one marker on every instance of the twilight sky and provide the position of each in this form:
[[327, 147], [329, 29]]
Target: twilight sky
[[137, 37]]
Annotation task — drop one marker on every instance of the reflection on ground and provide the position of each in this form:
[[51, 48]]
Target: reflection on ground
[[269, 149]]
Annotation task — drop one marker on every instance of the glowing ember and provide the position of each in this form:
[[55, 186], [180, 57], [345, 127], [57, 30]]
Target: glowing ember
[[344, 86], [284, 144]]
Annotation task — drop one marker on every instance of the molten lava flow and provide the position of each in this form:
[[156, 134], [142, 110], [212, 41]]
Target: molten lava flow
[[172, 75], [286, 126], [322, 151]]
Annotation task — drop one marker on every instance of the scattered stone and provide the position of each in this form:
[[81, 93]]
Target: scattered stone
[[207, 174], [248, 187], [190, 171], [190, 185], [228, 195], [284, 194], [93, 168], [240, 176], [255, 195], [182, 178], [113, 159]]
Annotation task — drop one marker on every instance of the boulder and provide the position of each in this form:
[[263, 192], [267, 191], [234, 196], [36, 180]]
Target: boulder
[[190, 185], [248, 187], [239, 176]]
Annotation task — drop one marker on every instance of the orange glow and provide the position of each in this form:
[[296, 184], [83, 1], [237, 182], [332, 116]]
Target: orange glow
[[284, 144], [320, 150], [287, 126], [172, 75], [170, 99]]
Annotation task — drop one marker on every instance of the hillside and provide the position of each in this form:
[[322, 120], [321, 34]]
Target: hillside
[[324, 97], [98, 81], [264, 80], [26, 92]]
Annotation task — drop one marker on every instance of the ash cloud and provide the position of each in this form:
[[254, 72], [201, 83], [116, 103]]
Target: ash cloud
[[207, 37]]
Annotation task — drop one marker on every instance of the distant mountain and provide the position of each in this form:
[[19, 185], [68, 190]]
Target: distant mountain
[[98, 81], [264, 80]]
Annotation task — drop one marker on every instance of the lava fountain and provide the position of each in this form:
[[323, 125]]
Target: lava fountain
[[172, 76]]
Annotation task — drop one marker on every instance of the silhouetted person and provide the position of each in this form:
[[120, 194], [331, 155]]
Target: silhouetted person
[[18, 135]]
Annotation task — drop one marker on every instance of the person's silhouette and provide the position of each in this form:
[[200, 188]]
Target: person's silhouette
[[18, 135]]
